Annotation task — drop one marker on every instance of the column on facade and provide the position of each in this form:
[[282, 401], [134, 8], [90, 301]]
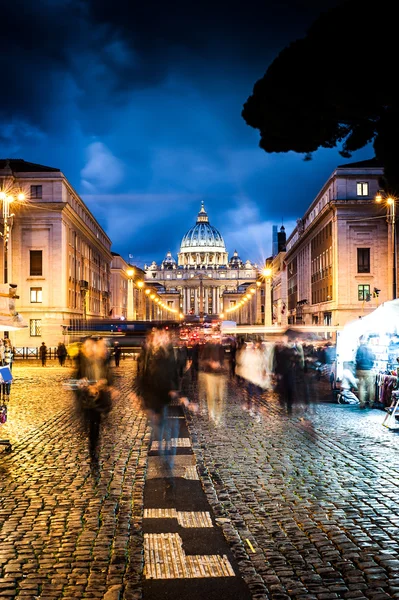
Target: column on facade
[[206, 304], [186, 300]]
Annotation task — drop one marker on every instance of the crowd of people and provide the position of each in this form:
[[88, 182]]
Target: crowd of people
[[198, 375]]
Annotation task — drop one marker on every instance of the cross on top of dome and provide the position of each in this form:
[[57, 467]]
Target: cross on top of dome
[[202, 215]]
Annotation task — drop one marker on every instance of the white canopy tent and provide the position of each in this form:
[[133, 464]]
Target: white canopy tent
[[383, 320]]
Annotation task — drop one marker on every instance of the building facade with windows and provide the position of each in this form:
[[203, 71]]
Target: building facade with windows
[[338, 259], [207, 283], [58, 255]]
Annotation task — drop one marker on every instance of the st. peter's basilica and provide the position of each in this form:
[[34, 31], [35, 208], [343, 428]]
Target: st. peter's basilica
[[203, 279]]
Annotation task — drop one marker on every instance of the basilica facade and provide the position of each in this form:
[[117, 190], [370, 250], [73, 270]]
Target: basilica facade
[[203, 280]]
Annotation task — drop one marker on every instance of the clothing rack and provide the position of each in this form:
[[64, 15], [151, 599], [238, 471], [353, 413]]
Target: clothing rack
[[386, 385]]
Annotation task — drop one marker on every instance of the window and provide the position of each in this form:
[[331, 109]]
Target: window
[[362, 188], [363, 292], [36, 263], [35, 327], [36, 191], [363, 260], [36, 294]]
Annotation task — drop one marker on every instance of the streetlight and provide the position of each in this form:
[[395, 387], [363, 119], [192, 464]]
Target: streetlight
[[130, 295], [7, 199], [267, 274], [140, 285], [391, 220]]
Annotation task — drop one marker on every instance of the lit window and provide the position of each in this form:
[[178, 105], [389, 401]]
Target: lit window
[[222, 275], [179, 276], [167, 276], [35, 327], [362, 188], [363, 292], [36, 294]]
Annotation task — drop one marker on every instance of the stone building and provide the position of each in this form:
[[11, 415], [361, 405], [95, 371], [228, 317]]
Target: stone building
[[57, 253], [206, 281], [339, 258]]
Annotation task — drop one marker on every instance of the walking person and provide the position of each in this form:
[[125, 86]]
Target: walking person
[[94, 390], [61, 353], [365, 358], [214, 375], [43, 354], [157, 384], [8, 357], [232, 358], [117, 353]]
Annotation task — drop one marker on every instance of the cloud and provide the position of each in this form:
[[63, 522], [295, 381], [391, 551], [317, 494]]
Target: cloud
[[102, 170], [250, 234]]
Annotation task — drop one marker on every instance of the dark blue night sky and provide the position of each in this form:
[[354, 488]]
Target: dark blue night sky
[[139, 105]]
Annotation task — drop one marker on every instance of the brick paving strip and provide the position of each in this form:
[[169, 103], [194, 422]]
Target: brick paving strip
[[186, 555], [311, 511]]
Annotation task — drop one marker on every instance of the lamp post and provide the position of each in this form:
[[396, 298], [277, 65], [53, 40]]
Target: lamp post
[[267, 274], [7, 199], [140, 285], [130, 294], [391, 220]]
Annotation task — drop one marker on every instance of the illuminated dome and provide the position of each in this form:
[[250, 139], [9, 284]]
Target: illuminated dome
[[169, 262], [203, 236], [203, 245], [235, 261]]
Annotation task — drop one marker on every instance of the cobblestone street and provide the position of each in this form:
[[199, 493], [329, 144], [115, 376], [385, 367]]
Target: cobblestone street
[[309, 506]]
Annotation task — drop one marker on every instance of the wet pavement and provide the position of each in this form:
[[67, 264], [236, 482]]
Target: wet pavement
[[308, 504]]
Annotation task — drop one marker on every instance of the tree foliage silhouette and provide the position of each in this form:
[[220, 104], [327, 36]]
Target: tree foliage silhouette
[[336, 87]]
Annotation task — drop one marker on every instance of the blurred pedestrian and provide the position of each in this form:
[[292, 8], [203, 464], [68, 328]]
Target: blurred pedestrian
[[348, 384], [94, 389], [43, 354], [194, 359], [182, 361], [61, 353], [157, 384], [117, 353], [7, 361], [232, 358], [214, 373], [365, 359], [284, 369]]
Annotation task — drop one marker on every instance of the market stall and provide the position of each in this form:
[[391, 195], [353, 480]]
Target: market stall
[[381, 330]]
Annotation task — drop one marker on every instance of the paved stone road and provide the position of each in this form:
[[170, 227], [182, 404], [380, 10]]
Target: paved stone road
[[316, 498], [309, 506], [64, 533]]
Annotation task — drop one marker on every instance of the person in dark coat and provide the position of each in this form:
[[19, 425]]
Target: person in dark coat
[[43, 354], [232, 358], [117, 353], [365, 359], [61, 353], [157, 384], [284, 368]]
